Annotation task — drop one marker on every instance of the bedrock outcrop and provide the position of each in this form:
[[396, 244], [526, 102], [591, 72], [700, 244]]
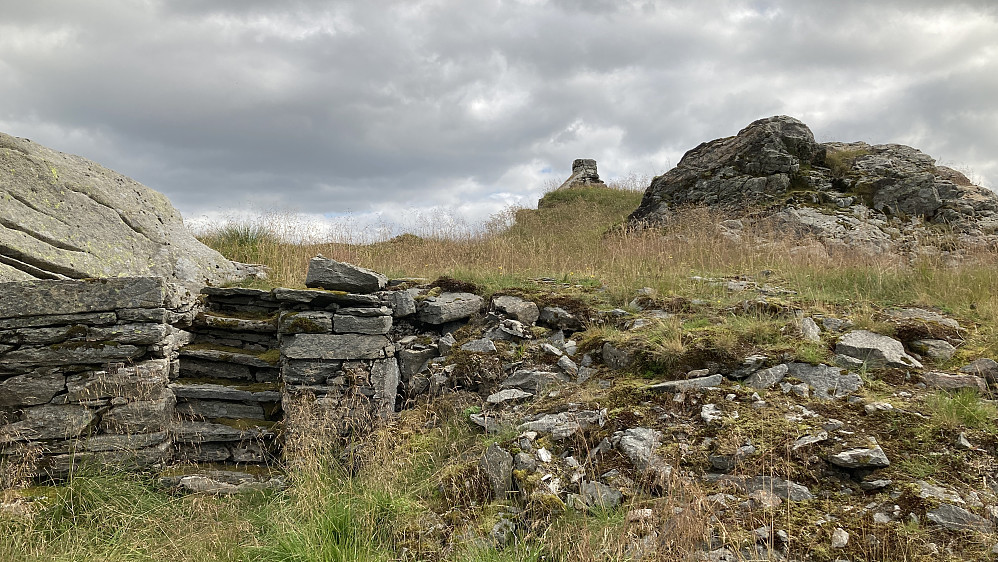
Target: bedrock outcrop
[[877, 198], [66, 217]]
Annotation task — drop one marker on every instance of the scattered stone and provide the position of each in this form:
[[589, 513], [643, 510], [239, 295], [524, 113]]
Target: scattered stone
[[987, 368], [616, 357], [767, 378], [877, 407], [563, 425], [522, 310], [840, 538], [568, 366], [483, 345], [808, 440], [225, 483], [956, 518], [810, 330], [599, 495], [688, 384], [497, 466], [937, 350], [710, 413], [875, 350], [551, 350], [946, 381], [783, 488], [873, 485], [827, 382], [962, 442], [514, 329], [559, 318], [332, 275], [446, 343], [508, 395], [861, 457], [765, 499], [533, 381]]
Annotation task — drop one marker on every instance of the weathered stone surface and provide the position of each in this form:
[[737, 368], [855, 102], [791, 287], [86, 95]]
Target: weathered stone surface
[[639, 445], [957, 518], [385, 379], [875, 350], [143, 381], [780, 487], [923, 316], [861, 457], [371, 325], [584, 174], [482, 345], [209, 320], [563, 425], [32, 389], [72, 353], [334, 346], [228, 356], [766, 378], [497, 466], [130, 442], [826, 382], [937, 350], [809, 329], [984, 367], [598, 495], [65, 216], [143, 416], [338, 276], [947, 381], [522, 310], [90, 319], [559, 318], [448, 307], [227, 483], [194, 368], [413, 361], [306, 322], [402, 303], [687, 384], [37, 298], [533, 381], [617, 357], [48, 422], [318, 298], [753, 166], [205, 432], [208, 409], [507, 395]]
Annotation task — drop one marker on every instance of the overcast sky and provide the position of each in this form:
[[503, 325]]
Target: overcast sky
[[389, 109]]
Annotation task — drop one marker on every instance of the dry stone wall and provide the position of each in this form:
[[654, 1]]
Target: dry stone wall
[[141, 371], [85, 367]]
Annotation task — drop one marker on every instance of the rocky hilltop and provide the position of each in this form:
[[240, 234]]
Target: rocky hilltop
[[66, 217], [874, 198]]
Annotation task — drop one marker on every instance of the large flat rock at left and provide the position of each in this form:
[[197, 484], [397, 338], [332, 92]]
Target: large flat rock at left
[[66, 217], [43, 298]]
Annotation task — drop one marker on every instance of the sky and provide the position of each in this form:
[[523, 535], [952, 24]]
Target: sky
[[406, 112]]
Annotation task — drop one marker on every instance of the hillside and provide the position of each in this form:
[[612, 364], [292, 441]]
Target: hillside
[[689, 409]]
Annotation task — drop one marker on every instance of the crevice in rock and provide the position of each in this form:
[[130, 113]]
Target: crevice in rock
[[36, 267], [124, 219], [41, 237]]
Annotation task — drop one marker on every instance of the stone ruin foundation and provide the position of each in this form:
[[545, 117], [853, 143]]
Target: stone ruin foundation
[[138, 371]]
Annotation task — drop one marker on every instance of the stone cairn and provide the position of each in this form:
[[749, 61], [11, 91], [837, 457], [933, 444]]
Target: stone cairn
[[139, 371], [583, 174]]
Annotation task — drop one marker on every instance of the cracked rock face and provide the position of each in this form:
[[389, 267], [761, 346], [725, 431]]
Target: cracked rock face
[[63, 216]]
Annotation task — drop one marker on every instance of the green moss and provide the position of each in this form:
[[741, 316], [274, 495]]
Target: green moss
[[302, 324], [272, 356]]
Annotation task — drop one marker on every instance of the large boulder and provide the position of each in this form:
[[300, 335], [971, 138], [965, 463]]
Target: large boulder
[[65, 217], [339, 276]]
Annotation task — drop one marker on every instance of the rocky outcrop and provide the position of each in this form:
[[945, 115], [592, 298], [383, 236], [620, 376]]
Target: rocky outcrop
[[65, 217], [879, 198]]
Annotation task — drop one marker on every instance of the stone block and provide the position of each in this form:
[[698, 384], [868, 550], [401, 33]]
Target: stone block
[[338, 276], [334, 346], [40, 298]]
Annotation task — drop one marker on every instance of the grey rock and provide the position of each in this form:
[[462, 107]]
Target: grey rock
[[487, 422], [639, 445], [372, 325], [781, 487], [483, 345], [210, 320], [497, 465], [984, 367], [533, 381], [446, 343], [414, 361], [72, 353], [402, 303], [306, 322], [144, 416], [68, 217], [840, 538], [334, 346], [448, 307], [826, 382], [210, 392], [308, 372], [385, 379], [956, 518], [31, 389], [711, 413], [875, 350], [767, 378], [48, 422], [227, 483], [551, 350], [810, 329], [143, 381], [525, 462], [206, 432], [248, 359], [568, 366], [598, 495], [317, 298], [947, 381], [861, 457], [564, 425], [338, 276], [687, 384], [514, 330], [129, 442], [508, 395], [616, 357], [809, 440], [559, 319], [923, 316], [937, 350], [92, 319], [208, 409], [522, 310]]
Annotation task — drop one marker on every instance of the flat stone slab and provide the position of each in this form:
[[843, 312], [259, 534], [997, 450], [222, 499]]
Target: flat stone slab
[[781, 487], [320, 298], [875, 350], [448, 307], [220, 322], [40, 298], [334, 346], [508, 395], [224, 356], [339, 276], [826, 382], [688, 384], [947, 381]]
